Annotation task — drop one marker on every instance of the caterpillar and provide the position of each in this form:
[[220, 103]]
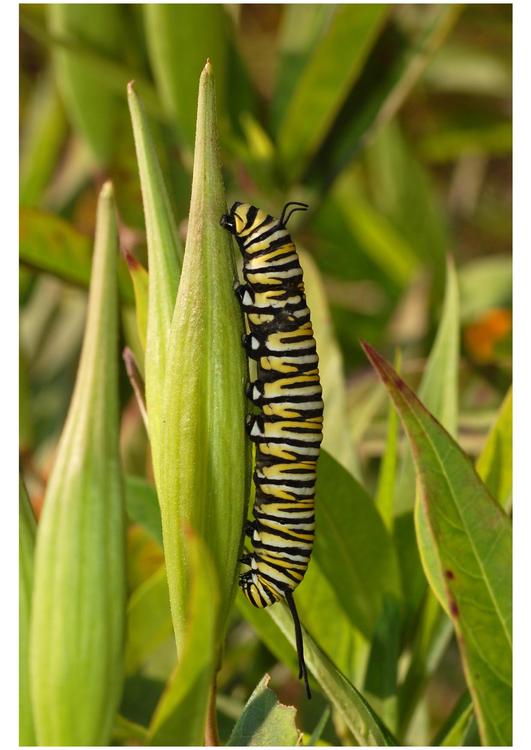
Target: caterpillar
[[288, 431]]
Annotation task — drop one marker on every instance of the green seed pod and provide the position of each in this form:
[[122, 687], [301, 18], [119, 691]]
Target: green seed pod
[[204, 471], [27, 532], [78, 615]]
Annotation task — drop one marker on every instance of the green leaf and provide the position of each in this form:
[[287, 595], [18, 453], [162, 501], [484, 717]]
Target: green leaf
[[265, 722], [472, 535], [143, 505], [336, 434], [92, 108], [382, 668], [302, 26], [353, 548], [454, 730], [492, 139], [180, 39], [140, 279], [26, 550], [77, 645], [358, 716], [148, 620], [385, 493], [165, 255], [393, 77], [179, 718], [41, 141], [204, 468], [52, 245], [494, 464], [324, 84]]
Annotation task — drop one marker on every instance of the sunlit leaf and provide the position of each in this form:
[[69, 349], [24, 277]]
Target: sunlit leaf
[[26, 551], [472, 535], [265, 721], [180, 716]]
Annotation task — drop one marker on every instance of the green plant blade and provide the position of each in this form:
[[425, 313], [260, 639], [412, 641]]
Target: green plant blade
[[77, 645], [472, 535], [140, 279], [371, 107], [265, 722], [353, 548], [325, 82], [180, 38], [385, 493], [50, 244], [203, 477], [143, 506], [494, 465], [26, 550], [336, 434], [41, 140], [148, 620], [165, 255], [92, 108], [360, 719], [180, 716], [454, 730]]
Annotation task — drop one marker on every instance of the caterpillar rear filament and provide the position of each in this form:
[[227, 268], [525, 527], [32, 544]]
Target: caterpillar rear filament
[[288, 432]]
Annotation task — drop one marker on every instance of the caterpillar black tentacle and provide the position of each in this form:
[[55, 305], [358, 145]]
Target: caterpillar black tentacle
[[288, 431]]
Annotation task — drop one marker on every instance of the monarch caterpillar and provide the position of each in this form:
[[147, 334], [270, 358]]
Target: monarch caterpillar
[[288, 432]]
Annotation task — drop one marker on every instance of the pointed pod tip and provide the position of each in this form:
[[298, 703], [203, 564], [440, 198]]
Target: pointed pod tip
[[131, 87], [207, 70], [107, 190]]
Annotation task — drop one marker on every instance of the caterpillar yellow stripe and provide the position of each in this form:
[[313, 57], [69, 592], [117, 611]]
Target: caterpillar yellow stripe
[[288, 430]]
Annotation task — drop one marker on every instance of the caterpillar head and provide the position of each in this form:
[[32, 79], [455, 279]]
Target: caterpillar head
[[235, 221]]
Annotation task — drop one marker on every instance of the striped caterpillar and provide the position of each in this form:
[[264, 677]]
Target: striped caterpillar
[[288, 431]]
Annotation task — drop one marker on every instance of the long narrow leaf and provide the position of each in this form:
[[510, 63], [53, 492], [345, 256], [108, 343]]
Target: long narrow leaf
[[472, 535], [26, 551]]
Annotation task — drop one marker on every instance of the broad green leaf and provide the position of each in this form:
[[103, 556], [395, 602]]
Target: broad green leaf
[[336, 435], [26, 549], [140, 279], [454, 730], [143, 506], [385, 493], [302, 26], [360, 719], [494, 464], [472, 535], [204, 469], [148, 620], [77, 645], [439, 385], [371, 107], [180, 39], [165, 255], [92, 108], [42, 137], [325, 82], [50, 244], [180, 716], [485, 283], [382, 669], [268, 632], [265, 722], [352, 546]]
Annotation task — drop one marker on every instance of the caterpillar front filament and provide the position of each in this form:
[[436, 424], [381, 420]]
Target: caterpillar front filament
[[288, 432]]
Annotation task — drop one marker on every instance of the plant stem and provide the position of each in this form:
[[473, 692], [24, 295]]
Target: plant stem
[[211, 728]]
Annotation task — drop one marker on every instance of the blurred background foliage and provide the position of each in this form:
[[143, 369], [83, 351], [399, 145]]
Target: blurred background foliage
[[393, 122]]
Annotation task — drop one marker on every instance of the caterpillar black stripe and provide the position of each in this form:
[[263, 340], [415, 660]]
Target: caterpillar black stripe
[[288, 432]]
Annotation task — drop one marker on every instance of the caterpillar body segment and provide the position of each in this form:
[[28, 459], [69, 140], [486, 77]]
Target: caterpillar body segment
[[288, 431]]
